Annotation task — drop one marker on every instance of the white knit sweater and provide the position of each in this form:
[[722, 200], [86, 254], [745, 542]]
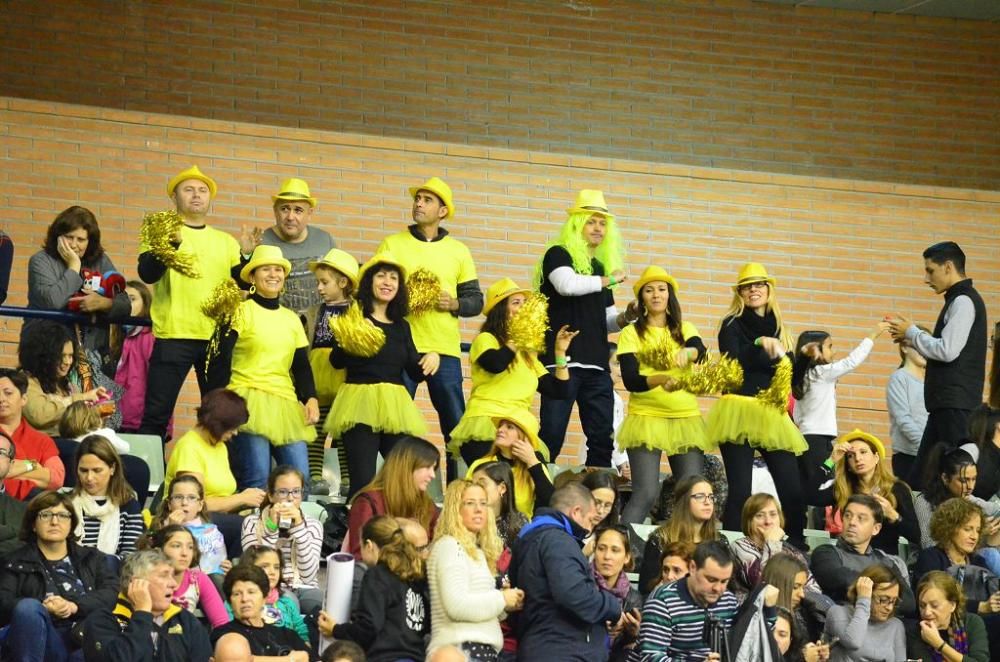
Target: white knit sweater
[[465, 603]]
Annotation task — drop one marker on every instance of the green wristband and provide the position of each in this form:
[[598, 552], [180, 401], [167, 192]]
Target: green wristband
[[269, 525], [611, 281], [561, 362]]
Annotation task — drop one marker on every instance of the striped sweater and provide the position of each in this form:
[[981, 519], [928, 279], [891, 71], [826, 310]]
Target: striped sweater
[[131, 528], [673, 625], [302, 548]]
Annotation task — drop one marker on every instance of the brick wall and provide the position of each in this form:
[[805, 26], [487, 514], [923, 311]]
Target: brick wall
[[720, 83], [844, 251]]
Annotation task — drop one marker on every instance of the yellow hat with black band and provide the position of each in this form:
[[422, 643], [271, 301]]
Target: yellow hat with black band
[[192, 173]]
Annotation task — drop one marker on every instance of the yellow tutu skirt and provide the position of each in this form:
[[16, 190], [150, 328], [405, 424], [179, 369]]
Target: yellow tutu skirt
[[328, 379], [739, 419], [383, 407], [280, 419], [670, 435], [478, 428]]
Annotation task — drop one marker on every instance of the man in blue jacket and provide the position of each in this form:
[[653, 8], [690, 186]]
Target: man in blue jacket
[[565, 614]]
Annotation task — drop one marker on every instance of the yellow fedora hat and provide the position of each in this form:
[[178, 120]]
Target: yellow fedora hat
[[339, 260], [437, 186], [192, 173], [858, 435], [652, 275], [499, 291], [384, 257], [753, 272], [294, 189], [590, 200], [527, 423], [264, 255]]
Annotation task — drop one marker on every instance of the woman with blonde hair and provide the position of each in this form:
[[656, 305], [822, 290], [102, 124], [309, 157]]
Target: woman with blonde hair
[[946, 631], [399, 489], [753, 333], [517, 444], [860, 467], [465, 604]]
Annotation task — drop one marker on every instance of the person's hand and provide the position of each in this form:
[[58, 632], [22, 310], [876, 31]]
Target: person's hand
[[995, 603], [823, 650], [863, 587], [175, 517], [176, 238], [771, 594], [252, 496], [897, 325], [631, 620], [68, 255], [446, 303], [772, 347], [891, 514], [94, 394], [250, 237], [94, 303], [298, 656], [311, 411], [840, 449], [625, 471], [325, 624], [138, 595], [226, 565], [816, 652], [513, 599], [713, 657], [430, 363], [563, 338], [682, 357], [929, 633], [774, 534], [664, 381], [524, 452], [880, 328]]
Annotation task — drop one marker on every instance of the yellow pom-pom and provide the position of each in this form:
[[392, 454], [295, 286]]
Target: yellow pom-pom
[[776, 395], [526, 330], [721, 375], [157, 232], [222, 306], [356, 334], [658, 353], [423, 289]]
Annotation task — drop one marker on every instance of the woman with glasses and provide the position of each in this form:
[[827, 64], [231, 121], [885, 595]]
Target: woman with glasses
[[50, 583], [611, 564], [742, 424], [466, 605], [693, 519], [867, 629], [282, 524]]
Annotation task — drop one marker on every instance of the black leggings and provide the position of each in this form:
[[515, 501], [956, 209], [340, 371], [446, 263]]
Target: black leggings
[[362, 446], [784, 468], [810, 466]]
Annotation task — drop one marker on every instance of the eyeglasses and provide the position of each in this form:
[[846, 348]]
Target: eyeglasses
[[49, 515], [603, 506], [885, 601], [7, 453], [185, 498], [704, 497], [759, 285], [282, 493]]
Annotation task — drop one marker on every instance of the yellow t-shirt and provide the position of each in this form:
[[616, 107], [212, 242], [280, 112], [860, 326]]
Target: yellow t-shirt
[[193, 453], [451, 262], [657, 402], [263, 353], [495, 394], [177, 299]]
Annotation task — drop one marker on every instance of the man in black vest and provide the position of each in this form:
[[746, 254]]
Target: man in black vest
[[955, 352]]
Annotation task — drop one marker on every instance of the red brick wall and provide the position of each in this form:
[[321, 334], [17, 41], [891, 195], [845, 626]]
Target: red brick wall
[[729, 84], [844, 251]]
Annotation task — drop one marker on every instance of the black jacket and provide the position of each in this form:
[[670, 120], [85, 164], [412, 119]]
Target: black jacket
[[270, 640], [11, 514], [22, 576], [736, 339], [121, 635], [836, 567], [564, 611]]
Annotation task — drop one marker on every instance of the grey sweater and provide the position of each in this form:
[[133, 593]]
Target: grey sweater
[[904, 397], [861, 639]]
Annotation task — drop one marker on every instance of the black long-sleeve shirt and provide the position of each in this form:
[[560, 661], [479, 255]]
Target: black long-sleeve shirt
[[387, 366]]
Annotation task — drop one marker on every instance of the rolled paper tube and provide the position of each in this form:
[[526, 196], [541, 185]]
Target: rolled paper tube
[[339, 587]]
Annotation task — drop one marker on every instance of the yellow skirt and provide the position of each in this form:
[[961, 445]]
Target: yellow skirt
[[328, 379], [478, 428], [670, 435], [280, 419], [383, 407], [740, 419]]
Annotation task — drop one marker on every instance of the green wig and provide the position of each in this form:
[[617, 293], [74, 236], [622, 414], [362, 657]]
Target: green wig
[[611, 252]]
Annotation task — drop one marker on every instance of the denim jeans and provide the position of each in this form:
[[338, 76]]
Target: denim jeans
[[592, 391], [445, 389], [32, 635], [250, 459]]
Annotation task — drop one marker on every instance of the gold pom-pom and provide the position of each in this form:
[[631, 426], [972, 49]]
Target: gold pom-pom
[[721, 375], [423, 288], [659, 353], [526, 330], [223, 307], [157, 232], [356, 334], [776, 395]]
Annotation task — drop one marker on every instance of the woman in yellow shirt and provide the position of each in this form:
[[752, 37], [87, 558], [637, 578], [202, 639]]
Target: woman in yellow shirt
[[658, 420], [503, 377]]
